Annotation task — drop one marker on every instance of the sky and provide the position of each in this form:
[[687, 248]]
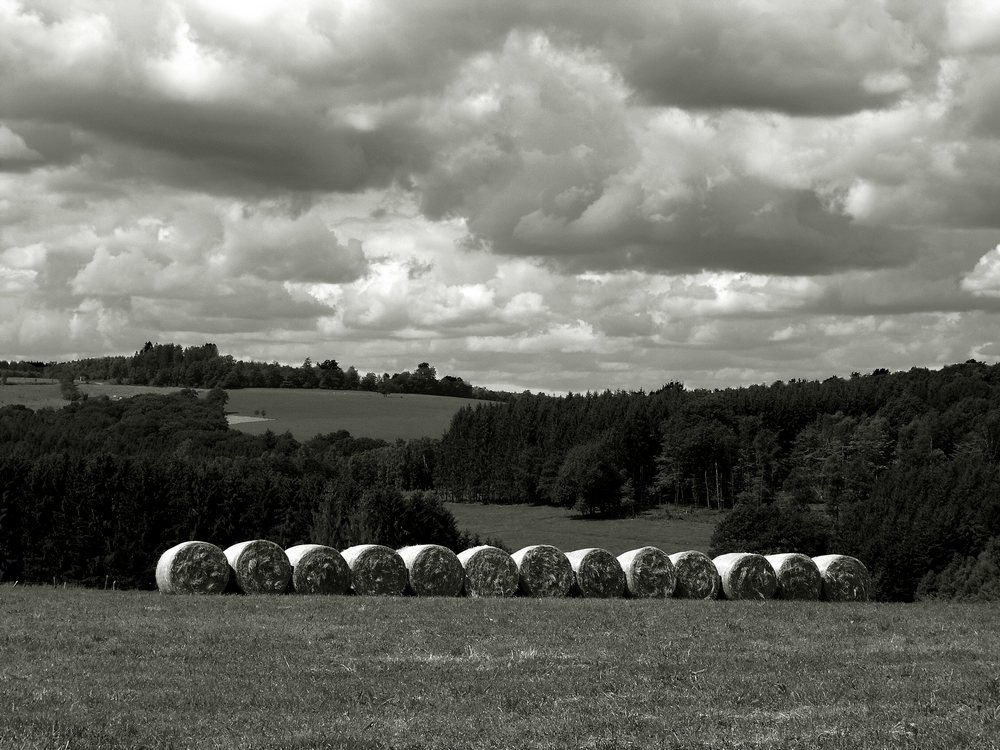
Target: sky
[[552, 196]]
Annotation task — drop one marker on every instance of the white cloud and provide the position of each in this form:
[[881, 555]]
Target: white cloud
[[550, 195], [984, 279]]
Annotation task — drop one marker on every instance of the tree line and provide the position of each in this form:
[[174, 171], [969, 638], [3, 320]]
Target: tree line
[[93, 493], [203, 366], [900, 469]]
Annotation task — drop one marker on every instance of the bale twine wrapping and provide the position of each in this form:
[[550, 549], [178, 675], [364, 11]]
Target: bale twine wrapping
[[376, 570], [697, 577], [845, 579], [746, 575], [542, 571], [259, 567], [192, 568], [798, 577], [649, 574], [432, 570], [318, 569], [489, 571], [597, 573]]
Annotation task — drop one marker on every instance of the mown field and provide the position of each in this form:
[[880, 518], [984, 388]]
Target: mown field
[[304, 413], [520, 525], [35, 394], [115, 670]]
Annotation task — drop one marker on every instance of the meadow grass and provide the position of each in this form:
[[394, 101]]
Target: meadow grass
[[100, 669], [35, 394], [303, 412], [306, 413], [672, 530]]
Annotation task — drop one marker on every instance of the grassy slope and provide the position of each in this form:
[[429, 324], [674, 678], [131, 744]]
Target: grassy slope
[[304, 413], [41, 394], [520, 525], [310, 412], [93, 669]]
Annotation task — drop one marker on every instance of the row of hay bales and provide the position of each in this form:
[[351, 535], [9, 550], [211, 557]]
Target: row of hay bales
[[262, 567]]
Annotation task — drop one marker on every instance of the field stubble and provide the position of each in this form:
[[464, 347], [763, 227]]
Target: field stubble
[[97, 669]]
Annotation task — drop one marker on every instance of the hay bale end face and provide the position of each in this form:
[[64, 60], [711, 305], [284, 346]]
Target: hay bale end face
[[746, 575], [543, 571], [192, 568], [318, 569], [597, 573], [649, 574], [845, 579], [697, 577], [798, 577], [376, 570], [432, 570], [489, 572], [259, 567]]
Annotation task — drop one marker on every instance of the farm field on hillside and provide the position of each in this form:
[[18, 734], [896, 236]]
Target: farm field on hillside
[[35, 394], [88, 669], [520, 525], [306, 413]]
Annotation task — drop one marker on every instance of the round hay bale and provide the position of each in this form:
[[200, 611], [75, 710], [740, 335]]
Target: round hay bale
[[649, 574], [259, 567], [746, 575], [845, 579], [597, 573], [697, 577], [542, 571], [318, 569], [192, 568], [376, 570], [432, 570], [798, 577], [489, 571]]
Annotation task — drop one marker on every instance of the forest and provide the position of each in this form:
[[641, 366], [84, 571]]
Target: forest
[[900, 469], [93, 493]]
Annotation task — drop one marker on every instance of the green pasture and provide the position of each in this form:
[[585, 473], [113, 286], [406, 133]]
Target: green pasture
[[35, 394], [93, 669], [520, 525], [306, 413]]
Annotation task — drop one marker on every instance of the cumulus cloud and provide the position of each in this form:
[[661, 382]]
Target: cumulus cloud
[[535, 195], [984, 279]]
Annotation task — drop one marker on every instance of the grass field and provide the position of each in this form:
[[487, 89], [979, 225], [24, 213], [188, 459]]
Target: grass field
[[35, 394], [520, 525], [115, 670], [304, 413]]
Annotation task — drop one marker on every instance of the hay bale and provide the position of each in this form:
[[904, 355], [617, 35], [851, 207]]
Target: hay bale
[[649, 574], [697, 577], [597, 573], [489, 571], [798, 577], [376, 570], [259, 567], [318, 569], [845, 579], [192, 568], [746, 575], [542, 571], [432, 570]]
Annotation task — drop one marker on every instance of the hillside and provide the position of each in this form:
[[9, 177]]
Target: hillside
[[306, 413]]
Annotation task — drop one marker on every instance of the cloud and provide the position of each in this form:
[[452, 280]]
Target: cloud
[[984, 279], [554, 195]]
